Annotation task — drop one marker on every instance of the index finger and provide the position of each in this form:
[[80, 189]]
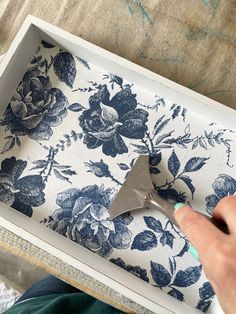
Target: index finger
[[202, 234]]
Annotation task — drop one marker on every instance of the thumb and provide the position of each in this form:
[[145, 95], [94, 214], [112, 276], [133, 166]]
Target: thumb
[[202, 234]]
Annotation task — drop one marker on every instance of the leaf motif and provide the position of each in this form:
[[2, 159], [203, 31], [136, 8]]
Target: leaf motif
[[60, 176], [46, 44], [173, 164], [76, 107], [161, 126], [68, 172], [160, 275], [206, 291], [8, 145], [210, 135], [195, 163], [211, 142], [64, 67], [123, 166], [187, 277], [159, 102], [140, 149], [167, 239], [176, 294], [162, 137], [62, 166], [183, 250], [74, 135], [144, 241], [183, 114], [157, 123], [40, 162], [153, 224], [83, 62], [117, 79], [203, 143], [218, 136], [176, 112], [195, 143], [189, 184]]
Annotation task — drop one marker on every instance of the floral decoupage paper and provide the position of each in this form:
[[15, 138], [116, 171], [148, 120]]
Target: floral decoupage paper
[[69, 137]]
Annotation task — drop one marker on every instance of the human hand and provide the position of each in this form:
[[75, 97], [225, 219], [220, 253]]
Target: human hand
[[217, 250]]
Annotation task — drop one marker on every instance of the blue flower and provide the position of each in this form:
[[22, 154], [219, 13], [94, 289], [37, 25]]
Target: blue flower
[[36, 107], [19, 192], [108, 120], [223, 186], [82, 216], [100, 169], [172, 195]]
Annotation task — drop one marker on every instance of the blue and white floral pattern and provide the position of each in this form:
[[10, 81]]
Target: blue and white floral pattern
[[20, 192], [36, 107], [82, 216], [70, 135], [224, 185], [106, 121]]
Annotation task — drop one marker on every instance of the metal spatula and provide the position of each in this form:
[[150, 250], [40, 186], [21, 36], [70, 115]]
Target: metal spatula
[[138, 192]]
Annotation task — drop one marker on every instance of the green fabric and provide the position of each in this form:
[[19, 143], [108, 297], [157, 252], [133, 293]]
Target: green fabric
[[72, 303]]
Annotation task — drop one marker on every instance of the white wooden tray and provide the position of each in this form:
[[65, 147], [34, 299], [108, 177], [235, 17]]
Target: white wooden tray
[[73, 119]]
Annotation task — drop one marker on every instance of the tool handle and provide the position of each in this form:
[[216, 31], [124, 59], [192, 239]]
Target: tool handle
[[153, 200]]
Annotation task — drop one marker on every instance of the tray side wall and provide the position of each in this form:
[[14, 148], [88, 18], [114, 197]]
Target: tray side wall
[[15, 62]]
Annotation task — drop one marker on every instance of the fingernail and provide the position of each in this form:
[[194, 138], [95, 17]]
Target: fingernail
[[193, 252], [178, 206]]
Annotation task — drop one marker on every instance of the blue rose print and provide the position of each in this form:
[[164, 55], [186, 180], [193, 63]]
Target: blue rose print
[[107, 120], [82, 216], [36, 107], [19, 192], [224, 185]]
